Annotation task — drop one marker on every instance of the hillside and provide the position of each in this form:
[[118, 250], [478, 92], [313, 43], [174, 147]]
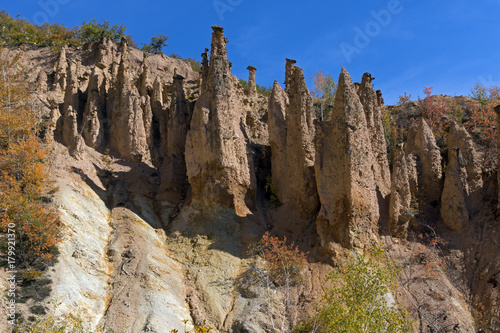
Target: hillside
[[163, 178]]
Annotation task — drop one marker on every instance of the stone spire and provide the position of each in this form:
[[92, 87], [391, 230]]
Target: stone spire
[[349, 214], [400, 202], [453, 207], [217, 159], [252, 87], [61, 69], [373, 113], [291, 136], [93, 116], [290, 64], [127, 131]]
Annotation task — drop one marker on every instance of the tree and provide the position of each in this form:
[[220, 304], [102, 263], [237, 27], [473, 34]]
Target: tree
[[324, 90], [23, 169], [156, 44], [280, 267], [360, 299], [483, 119], [92, 31]]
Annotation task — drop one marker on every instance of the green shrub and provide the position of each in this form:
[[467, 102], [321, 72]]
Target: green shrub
[[195, 64], [244, 84], [359, 299], [271, 189], [156, 44], [92, 31]]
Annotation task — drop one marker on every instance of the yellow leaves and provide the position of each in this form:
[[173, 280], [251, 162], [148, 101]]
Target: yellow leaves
[[23, 172]]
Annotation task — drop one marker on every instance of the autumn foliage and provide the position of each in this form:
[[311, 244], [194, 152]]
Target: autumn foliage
[[23, 170], [283, 260], [482, 121]]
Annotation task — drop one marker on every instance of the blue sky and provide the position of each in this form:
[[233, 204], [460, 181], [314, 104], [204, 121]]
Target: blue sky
[[405, 44]]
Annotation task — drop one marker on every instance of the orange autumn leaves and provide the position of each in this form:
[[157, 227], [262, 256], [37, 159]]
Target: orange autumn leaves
[[23, 170]]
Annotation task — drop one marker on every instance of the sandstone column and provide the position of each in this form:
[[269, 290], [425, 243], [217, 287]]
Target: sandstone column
[[290, 64], [400, 203], [453, 208], [349, 212], [217, 154], [373, 113], [252, 87]]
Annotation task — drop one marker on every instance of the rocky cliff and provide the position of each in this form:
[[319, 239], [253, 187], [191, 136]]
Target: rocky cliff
[[164, 178]]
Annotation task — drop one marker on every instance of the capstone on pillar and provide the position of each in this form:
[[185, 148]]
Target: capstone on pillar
[[252, 87]]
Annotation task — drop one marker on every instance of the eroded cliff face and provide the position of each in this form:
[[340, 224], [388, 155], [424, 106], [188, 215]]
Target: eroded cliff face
[[162, 179]]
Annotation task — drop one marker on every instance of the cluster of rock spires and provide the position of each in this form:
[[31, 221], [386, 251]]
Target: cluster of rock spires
[[334, 171], [211, 142]]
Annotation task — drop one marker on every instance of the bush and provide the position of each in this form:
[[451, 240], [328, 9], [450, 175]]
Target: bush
[[482, 117], [244, 84], [195, 64], [359, 299], [281, 266], [92, 31], [18, 31], [265, 91]]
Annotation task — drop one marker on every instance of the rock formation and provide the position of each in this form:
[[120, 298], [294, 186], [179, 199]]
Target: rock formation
[[174, 182], [71, 136], [106, 53], [217, 161], [471, 164], [289, 66], [127, 132], [372, 105], [41, 81], [400, 204], [204, 70], [93, 117], [291, 136], [276, 121], [453, 208], [422, 144], [347, 190], [61, 69], [252, 87]]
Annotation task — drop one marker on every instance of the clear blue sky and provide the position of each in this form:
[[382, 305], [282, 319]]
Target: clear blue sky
[[405, 44]]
